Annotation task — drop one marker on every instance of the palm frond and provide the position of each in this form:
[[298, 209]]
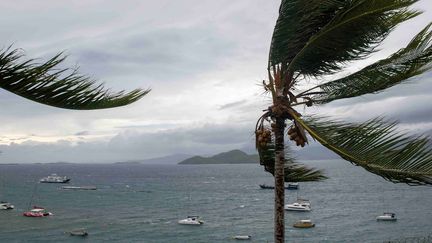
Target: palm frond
[[410, 61], [352, 34], [298, 21], [294, 171], [64, 88], [376, 146]]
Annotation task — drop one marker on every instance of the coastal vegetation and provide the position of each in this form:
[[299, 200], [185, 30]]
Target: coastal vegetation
[[313, 39]]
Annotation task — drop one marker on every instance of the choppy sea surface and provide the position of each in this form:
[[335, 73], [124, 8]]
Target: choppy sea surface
[[142, 203]]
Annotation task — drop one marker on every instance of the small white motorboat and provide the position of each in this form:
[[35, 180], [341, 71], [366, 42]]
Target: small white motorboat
[[387, 217], [6, 206], [242, 237], [298, 206], [191, 220]]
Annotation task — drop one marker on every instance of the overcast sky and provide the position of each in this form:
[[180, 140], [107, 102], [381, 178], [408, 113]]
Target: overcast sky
[[203, 60]]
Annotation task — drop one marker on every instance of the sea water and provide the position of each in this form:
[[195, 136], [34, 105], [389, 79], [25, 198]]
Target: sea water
[[142, 203]]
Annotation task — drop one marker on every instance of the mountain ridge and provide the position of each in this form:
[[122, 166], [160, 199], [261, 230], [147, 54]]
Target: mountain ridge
[[231, 157]]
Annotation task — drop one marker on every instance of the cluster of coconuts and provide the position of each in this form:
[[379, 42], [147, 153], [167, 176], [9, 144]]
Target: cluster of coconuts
[[263, 137], [295, 135]]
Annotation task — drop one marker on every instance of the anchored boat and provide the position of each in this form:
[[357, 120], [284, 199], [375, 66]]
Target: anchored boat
[[242, 237], [6, 206], [78, 232], [191, 220], [293, 186], [79, 188], [300, 205], [54, 178], [304, 223], [387, 217], [290, 186], [37, 212]]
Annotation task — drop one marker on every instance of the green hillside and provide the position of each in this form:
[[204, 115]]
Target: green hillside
[[231, 157]]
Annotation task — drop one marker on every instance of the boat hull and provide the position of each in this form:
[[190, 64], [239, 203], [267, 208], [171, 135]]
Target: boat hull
[[385, 219], [297, 209], [81, 188], [78, 232], [242, 237], [190, 223], [61, 182], [289, 187], [36, 215], [303, 226]]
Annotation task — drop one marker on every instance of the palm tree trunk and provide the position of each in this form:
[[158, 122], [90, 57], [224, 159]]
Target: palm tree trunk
[[279, 228]]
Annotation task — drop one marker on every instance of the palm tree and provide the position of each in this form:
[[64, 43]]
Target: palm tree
[[48, 84], [313, 38]]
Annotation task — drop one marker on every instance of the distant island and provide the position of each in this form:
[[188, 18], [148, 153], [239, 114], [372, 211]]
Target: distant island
[[231, 157]]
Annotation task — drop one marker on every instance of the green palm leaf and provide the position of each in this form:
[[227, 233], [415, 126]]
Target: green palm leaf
[[407, 62], [294, 171], [47, 84], [365, 22], [376, 146], [298, 21]]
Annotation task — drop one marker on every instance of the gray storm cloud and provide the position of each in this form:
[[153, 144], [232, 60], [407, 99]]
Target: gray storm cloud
[[203, 61]]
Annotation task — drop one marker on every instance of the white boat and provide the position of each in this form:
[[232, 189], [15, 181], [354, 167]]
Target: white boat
[[54, 178], [298, 206], [6, 206], [242, 237], [191, 220], [387, 217]]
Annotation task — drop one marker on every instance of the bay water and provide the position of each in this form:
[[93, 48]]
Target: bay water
[[142, 203]]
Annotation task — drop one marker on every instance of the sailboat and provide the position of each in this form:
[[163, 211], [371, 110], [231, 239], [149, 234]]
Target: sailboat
[[5, 205], [300, 204], [191, 220], [386, 216], [36, 211]]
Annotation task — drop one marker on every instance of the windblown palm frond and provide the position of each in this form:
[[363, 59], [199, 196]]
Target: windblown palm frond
[[352, 34], [407, 62], [376, 146], [47, 84], [298, 21], [294, 171]]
